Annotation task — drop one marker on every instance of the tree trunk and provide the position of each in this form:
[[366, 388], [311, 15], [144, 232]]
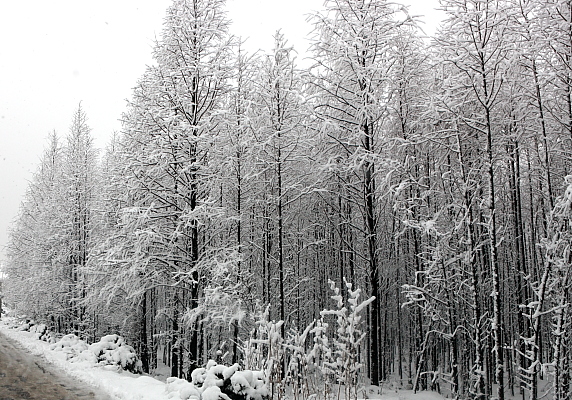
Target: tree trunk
[[371, 230], [144, 351]]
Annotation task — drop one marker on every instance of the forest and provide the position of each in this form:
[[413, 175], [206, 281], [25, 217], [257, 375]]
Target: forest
[[397, 210]]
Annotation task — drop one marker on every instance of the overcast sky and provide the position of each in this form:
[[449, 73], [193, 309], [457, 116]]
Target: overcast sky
[[54, 54]]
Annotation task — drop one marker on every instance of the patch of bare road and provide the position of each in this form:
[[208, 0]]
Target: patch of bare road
[[26, 376]]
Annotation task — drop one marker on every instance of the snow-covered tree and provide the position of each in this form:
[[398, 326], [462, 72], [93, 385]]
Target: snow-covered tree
[[170, 214], [352, 52], [35, 251], [51, 238]]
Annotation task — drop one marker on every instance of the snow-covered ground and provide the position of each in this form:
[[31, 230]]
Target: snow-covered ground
[[118, 383], [124, 385]]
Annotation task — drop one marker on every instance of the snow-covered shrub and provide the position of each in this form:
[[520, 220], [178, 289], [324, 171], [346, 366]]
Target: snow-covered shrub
[[43, 333], [13, 320], [51, 337], [250, 384], [347, 339], [70, 345], [215, 382], [319, 364], [112, 350], [39, 328], [298, 373], [319, 359], [181, 389], [85, 355], [264, 350], [26, 325]]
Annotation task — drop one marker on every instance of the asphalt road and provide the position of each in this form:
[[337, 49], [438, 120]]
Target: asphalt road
[[25, 376]]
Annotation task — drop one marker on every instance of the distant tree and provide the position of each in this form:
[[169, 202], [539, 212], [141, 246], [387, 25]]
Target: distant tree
[[279, 132], [477, 45], [353, 58], [33, 269], [51, 239], [79, 168]]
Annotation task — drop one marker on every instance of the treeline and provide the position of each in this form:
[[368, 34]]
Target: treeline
[[427, 174]]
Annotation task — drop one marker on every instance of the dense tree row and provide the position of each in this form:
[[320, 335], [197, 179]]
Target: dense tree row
[[429, 175]]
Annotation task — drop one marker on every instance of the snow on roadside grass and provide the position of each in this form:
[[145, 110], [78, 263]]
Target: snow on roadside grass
[[121, 384]]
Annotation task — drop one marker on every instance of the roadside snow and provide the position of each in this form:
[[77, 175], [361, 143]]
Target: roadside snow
[[123, 385], [120, 384]]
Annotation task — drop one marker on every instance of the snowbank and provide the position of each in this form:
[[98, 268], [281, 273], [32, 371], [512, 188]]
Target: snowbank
[[110, 350], [98, 364], [119, 384]]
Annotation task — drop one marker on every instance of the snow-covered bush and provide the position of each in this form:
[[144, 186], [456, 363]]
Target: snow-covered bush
[[347, 339], [320, 364], [112, 350], [265, 350], [181, 389], [11, 320], [25, 326], [319, 359], [298, 373], [43, 333], [215, 382], [39, 330], [23, 323], [70, 345]]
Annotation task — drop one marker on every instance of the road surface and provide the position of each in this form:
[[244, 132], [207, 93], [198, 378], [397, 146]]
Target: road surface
[[25, 376]]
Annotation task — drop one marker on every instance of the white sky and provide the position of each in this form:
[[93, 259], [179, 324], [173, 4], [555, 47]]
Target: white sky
[[54, 54]]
